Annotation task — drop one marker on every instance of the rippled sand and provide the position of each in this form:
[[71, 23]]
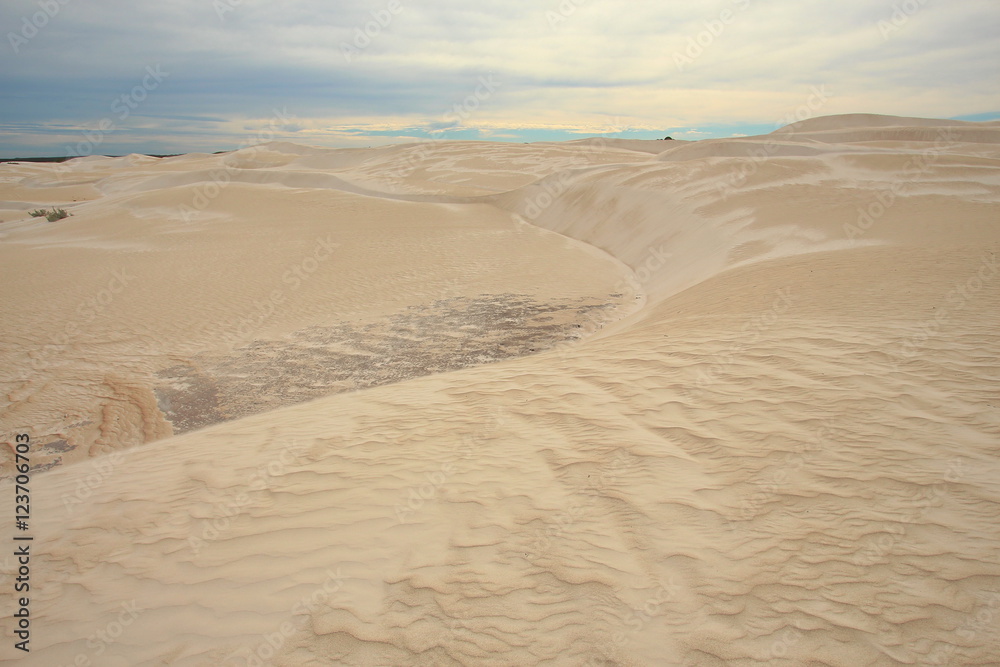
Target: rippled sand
[[732, 402]]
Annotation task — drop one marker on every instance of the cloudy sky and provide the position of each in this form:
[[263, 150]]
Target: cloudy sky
[[120, 76]]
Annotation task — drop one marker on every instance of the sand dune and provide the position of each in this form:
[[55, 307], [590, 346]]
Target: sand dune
[[730, 402]]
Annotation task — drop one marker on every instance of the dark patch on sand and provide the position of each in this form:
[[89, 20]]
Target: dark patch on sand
[[447, 335], [55, 446]]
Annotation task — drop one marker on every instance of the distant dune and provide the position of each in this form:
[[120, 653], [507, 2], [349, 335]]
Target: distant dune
[[602, 402]]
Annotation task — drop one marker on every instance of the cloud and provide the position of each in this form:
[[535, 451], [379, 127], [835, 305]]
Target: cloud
[[692, 134], [565, 66]]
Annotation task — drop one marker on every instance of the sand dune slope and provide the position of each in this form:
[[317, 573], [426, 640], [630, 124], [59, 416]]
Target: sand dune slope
[[179, 299], [788, 455]]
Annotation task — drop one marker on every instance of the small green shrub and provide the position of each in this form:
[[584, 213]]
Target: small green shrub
[[51, 216]]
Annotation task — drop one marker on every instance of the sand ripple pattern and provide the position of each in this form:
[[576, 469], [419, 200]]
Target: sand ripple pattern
[[834, 512], [790, 455]]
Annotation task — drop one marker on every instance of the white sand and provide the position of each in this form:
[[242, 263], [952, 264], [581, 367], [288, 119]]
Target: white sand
[[762, 425]]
